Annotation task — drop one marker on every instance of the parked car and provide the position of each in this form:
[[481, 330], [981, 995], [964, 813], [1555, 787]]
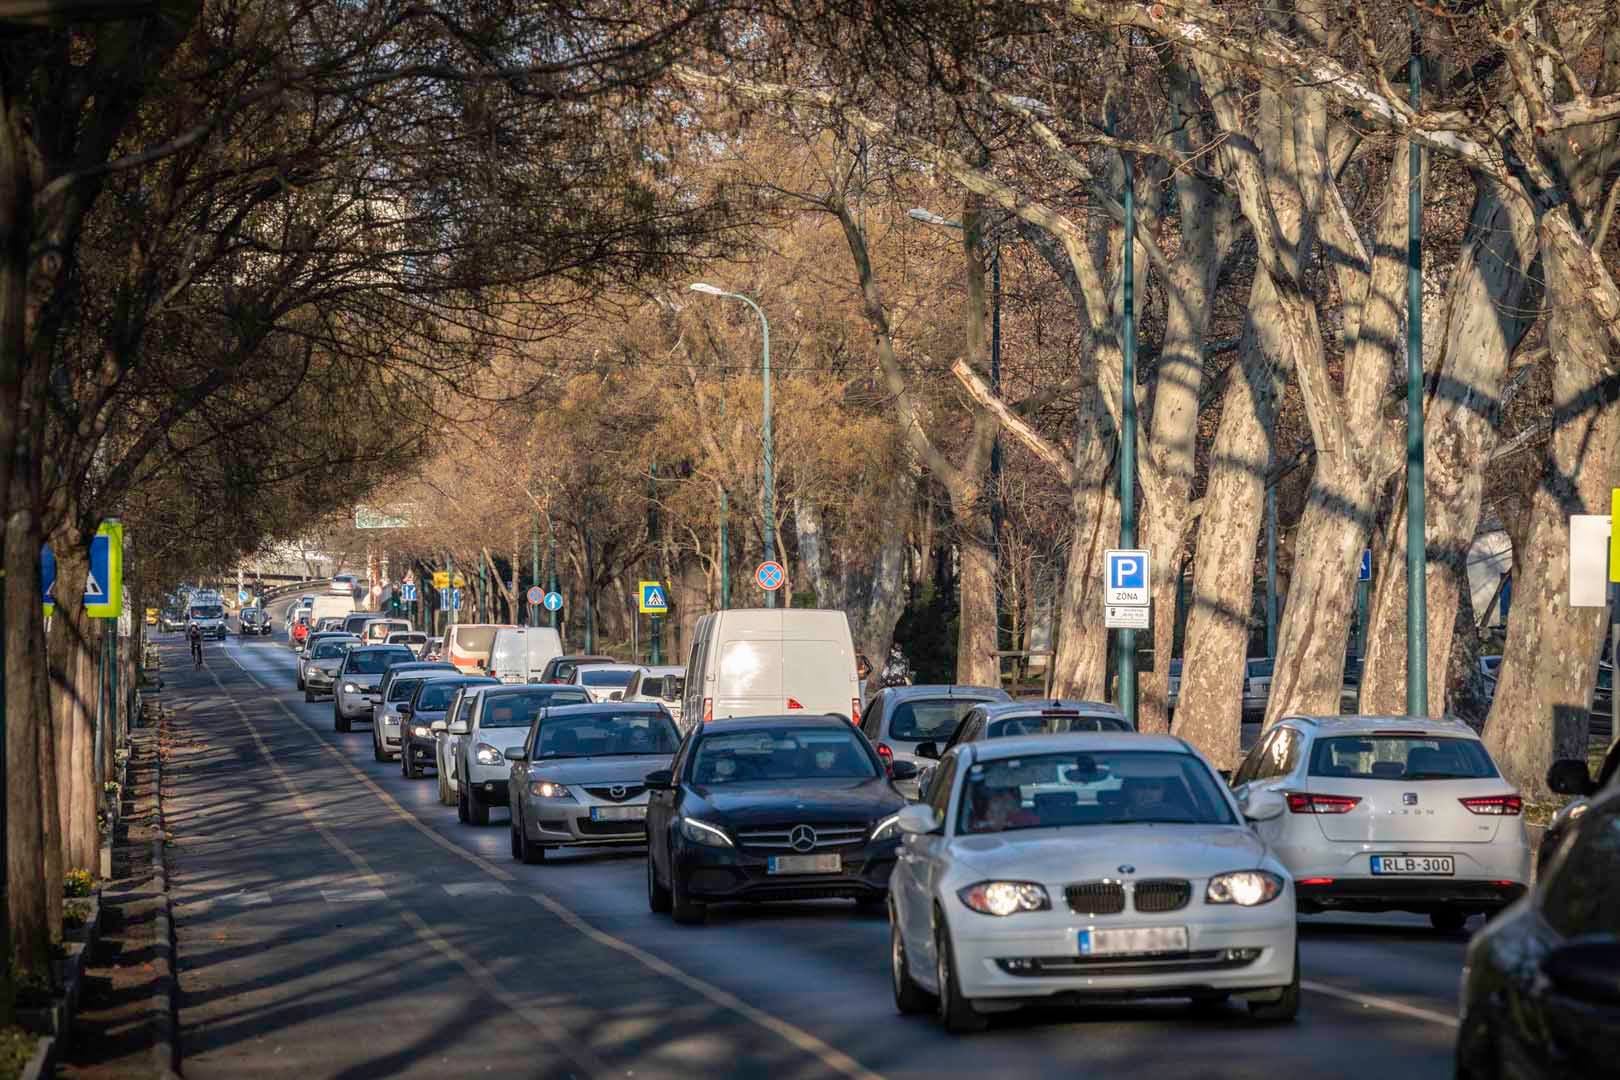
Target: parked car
[[1541, 982], [318, 672], [1570, 776], [770, 661], [560, 669], [519, 654], [662, 685], [500, 718], [468, 645], [426, 711], [604, 682], [172, 619], [1391, 814], [363, 668], [578, 777], [1055, 867], [771, 808], [898, 718]]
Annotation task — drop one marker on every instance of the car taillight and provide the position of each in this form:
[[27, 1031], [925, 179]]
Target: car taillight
[[855, 711], [886, 755], [1503, 805], [708, 710], [793, 703], [1301, 802]]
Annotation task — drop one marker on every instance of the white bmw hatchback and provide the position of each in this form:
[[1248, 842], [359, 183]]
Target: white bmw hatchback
[[1390, 813], [1087, 865]]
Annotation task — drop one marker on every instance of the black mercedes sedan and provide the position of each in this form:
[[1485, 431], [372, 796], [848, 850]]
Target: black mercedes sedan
[[772, 808]]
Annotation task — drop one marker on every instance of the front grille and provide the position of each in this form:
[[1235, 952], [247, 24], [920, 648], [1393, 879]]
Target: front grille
[[611, 828], [1165, 894], [1096, 898], [626, 792], [779, 837], [1184, 963]]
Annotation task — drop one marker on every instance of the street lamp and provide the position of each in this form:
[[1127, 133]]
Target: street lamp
[[768, 491]]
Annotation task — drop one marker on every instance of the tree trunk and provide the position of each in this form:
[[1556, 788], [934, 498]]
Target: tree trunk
[[976, 594], [1489, 297], [1550, 664], [1080, 660], [73, 650], [32, 822], [1163, 534]]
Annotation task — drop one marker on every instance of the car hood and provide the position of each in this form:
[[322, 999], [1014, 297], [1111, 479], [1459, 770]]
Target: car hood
[[809, 801], [328, 666], [501, 737], [1080, 852], [631, 770]]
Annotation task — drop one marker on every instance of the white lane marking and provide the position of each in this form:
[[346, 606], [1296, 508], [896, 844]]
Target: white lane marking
[[1374, 1001], [827, 1055], [352, 896], [477, 888], [252, 899]]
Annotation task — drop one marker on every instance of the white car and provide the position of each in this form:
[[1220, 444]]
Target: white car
[[604, 682], [1087, 864], [664, 685], [499, 719], [447, 738], [1391, 813]]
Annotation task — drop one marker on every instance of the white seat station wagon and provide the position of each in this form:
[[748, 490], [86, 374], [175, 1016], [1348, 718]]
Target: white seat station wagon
[[1391, 814]]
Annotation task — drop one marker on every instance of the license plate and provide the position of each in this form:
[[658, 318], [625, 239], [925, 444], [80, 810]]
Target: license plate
[[618, 813], [804, 864], [1415, 865], [1141, 941]]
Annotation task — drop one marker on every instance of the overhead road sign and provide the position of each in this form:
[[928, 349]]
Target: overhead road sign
[[407, 592], [369, 517], [654, 598], [104, 587], [1126, 578], [553, 601], [770, 576]]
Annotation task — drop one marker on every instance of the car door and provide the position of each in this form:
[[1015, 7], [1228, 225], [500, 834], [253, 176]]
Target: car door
[[918, 864], [662, 807]]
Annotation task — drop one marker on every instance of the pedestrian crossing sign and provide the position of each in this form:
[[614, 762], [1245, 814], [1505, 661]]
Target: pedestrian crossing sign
[[654, 598], [104, 585]]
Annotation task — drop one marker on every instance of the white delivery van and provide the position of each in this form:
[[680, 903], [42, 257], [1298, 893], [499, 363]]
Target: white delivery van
[[467, 645], [330, 606], [519, 654], [771, 662]]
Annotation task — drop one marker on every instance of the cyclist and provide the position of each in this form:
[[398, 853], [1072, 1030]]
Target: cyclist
[[195, 634]]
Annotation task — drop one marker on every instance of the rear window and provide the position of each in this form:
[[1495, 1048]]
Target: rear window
[[1044, 723], [595, 677], [606, 735], [476, 639], [374, 661], [436, 695], [1400, 757], [325, 650], [402, 688], [518, 710], [921, 721]]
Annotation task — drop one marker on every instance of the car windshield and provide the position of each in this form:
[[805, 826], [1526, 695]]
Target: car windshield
[[1052, 721], [436, 694], [783, 753], [1113, 787], [935, 719], [403, 687], [1400, 757], [326, 650], [518, 709], [606, 734], [600, 677], [373, 661], [473, 638], [207, 611]]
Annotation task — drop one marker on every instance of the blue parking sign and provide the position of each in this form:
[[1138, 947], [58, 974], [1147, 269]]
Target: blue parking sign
[[1125, 578]]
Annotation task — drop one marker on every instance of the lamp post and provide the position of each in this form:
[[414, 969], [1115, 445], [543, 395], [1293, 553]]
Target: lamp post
[[768, 491], [1417, 599]]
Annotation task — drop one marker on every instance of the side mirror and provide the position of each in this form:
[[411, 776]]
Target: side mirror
[[660, 780], [918, 819], [1568, 776], [617, 695], [903, 770], [1263, 805], [438, 727], [1588, 972], [458, 728], [929, 750], [516, 753], [403, 708]]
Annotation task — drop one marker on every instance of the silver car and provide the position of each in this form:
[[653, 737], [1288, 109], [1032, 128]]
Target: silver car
[[900, 718], [500, 718], [579, 778], [357, 680], [318, 673]]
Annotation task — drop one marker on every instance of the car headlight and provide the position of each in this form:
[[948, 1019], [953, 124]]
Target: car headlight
[[421, 731], [486, 754], [887, 829], [1004, 897], [350, 688], [1245, 888], [701, 832], [550, 789]]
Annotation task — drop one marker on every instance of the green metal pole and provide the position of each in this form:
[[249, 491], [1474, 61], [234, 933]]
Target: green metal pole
[[725, 555], [655, 634], [551, 538], [534, 551], [1127, 440], [768, 492], [1417, 600]]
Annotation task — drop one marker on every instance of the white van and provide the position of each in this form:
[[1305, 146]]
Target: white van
[[770, 662], [467, 645], [330, 606], [520, 653]]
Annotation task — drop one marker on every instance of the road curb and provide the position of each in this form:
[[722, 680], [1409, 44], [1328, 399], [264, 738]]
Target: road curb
[[165, 997]]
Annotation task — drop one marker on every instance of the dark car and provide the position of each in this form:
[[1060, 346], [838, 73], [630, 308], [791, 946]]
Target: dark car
[[1569, 777], [560, 669], [428, 704], [771, 808], [999, 720], [1541, 982], [250, 622]]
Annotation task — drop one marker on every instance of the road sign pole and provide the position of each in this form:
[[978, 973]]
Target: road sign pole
[[1417, 585], [450, 566], [551, 586], [534, 551], [1127, 438]]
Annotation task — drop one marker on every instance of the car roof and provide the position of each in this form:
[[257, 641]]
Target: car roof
[[379, 648], [649, 707], [1352, 725], [1013, 746], [948, 690], [1042, 705], [436, 665]]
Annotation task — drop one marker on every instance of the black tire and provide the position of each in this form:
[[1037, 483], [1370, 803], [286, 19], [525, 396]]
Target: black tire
[[658, 899], [682, 908], [377, 750], [517, 848], [301, 680], [1448, 920], [461, 804], [1286, 1007], [909, 998], [408, 763], [444, 786], [339, 721], [308, 696], [477, 809], [530, 854], [955, 1011]]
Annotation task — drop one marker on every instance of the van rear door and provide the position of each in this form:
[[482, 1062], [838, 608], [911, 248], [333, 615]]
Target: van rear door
[[748, 679], [817, 677]]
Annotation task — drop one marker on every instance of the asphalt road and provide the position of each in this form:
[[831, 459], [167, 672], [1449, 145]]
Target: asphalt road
[[334, 920]]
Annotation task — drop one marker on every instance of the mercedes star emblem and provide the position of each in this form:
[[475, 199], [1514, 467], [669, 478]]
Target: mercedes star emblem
[[1127, 868], [802, 838]]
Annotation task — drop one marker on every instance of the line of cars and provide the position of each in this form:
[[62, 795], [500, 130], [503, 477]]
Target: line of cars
[[1048, 854]]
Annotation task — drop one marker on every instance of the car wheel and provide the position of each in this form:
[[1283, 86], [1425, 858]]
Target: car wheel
[[910, 998], [377, 750], [683, 908], [408, 763], [1286, 1007], [658, 900], [955, 1011], [517, 849], [461, 805], [1448, 920], [339, 721], [445, 798], [300, 682], [308, 696], [530, 853]]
